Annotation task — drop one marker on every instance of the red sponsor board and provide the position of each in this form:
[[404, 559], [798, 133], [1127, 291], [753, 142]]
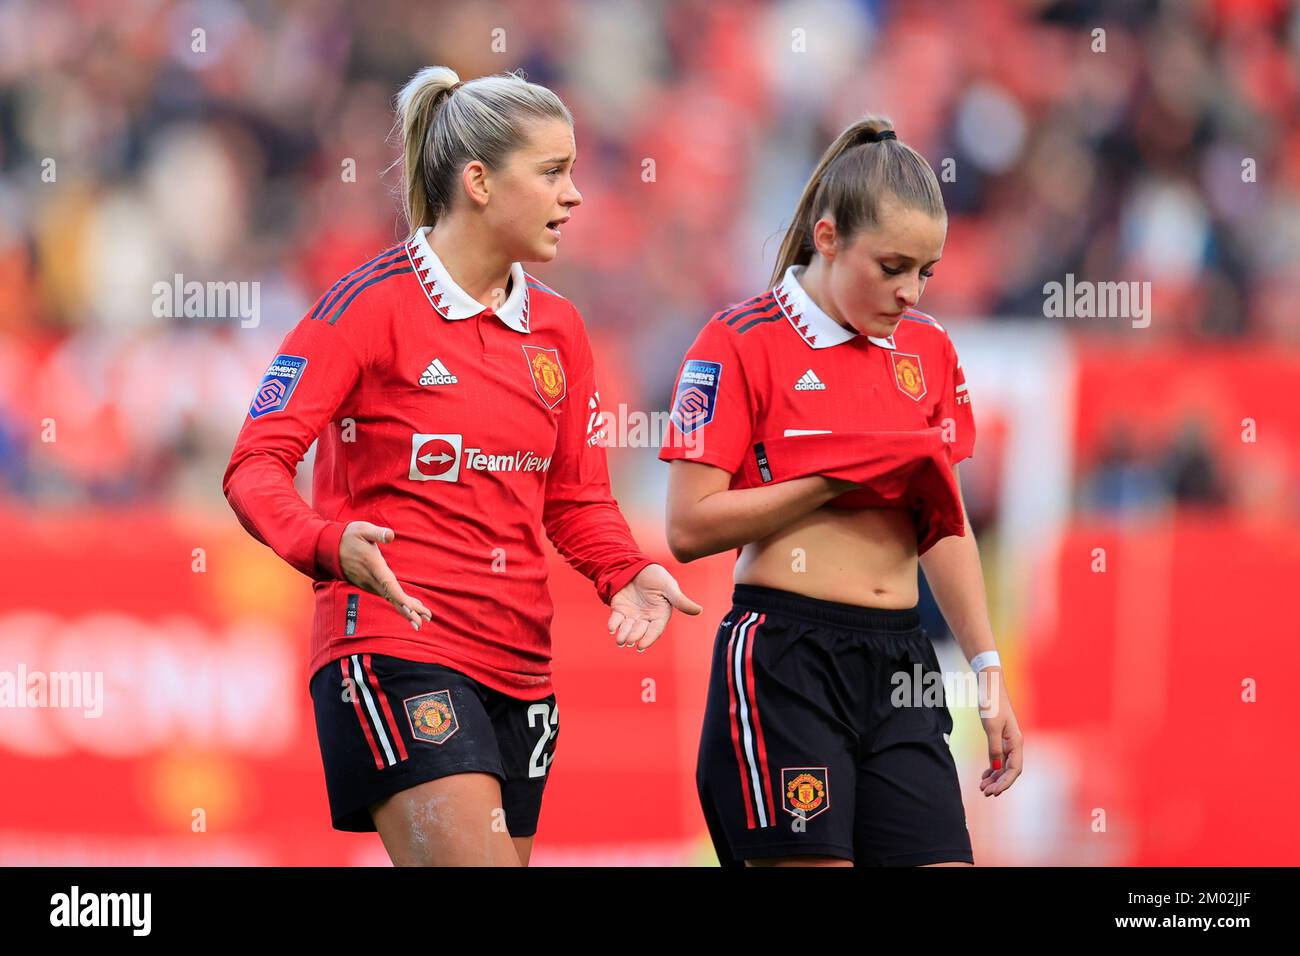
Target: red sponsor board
[[174, 726]]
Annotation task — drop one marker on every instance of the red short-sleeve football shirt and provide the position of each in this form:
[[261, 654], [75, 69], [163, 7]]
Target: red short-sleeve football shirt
[[777, 367]]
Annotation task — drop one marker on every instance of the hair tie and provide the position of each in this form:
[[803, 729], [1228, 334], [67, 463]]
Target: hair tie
[[455, 86], [885, 134]]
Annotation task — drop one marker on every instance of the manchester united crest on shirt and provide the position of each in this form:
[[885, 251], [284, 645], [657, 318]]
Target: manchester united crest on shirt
[[908, 376], [432, 716], [548, 376], [805, 792]]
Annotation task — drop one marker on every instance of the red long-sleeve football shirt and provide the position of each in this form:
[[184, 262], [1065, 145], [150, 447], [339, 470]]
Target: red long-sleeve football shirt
[[469, 432]]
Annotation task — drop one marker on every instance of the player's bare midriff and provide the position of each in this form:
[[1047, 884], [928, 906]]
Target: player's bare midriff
[[865, 557]]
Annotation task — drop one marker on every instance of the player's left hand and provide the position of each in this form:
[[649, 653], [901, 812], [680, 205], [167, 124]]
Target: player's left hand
[[1006, 743], [640, 611]]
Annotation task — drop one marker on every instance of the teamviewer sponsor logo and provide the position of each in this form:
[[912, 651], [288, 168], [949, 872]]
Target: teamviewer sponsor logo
[[478, 460], [440, 458], [435, 457]]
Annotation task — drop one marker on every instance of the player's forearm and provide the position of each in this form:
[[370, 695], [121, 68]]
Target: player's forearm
[[952, 568], [266, 503], [594, 538], [727, 519]]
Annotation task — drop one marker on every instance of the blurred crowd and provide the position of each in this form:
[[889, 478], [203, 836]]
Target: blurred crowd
[[252, 143], [1130, 478]]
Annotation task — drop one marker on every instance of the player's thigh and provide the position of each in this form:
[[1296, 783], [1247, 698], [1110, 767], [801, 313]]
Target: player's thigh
[[523, 847], [446, 822]]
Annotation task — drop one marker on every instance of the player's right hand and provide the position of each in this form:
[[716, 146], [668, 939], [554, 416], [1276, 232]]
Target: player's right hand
[[364, 566]]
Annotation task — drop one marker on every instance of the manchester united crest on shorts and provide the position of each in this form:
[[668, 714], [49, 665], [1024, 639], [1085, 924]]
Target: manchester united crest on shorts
[[548, 376], [433, 718], [805, 792], [907, 373]]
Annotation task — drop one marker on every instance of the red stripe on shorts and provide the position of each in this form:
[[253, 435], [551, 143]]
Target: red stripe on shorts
[[365, 725], [753, 712], [383, 700], [741, 765]]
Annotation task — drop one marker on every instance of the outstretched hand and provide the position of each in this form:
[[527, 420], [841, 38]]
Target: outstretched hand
[[364, 565], [641, 610]]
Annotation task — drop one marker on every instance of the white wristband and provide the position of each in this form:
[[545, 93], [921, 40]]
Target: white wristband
[[987, 659]]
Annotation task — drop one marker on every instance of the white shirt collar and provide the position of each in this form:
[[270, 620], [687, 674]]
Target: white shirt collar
[[814, 326], [451, 301]]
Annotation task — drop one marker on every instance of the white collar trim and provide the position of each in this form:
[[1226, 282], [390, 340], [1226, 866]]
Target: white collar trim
[[814, 326], [451, 301]]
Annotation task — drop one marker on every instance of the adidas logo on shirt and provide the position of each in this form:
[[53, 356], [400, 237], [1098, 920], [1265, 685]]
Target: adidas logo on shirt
[[437, 374], [809, 382]]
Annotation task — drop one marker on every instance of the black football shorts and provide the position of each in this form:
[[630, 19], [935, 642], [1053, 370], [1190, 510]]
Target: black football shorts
[[386, 724], [803, 752]]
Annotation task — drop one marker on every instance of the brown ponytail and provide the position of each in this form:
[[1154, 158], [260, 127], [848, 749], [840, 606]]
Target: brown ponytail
[[854, 173]]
